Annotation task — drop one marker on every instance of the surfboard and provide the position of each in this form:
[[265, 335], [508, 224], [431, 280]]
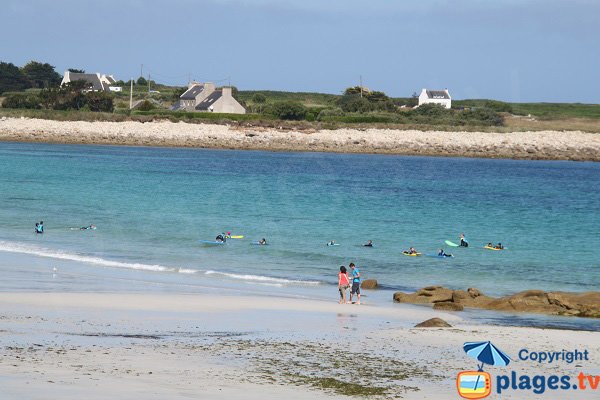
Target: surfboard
[[411, 255], [491, 248], [335, 244], [259, 244], [442, 257], [451, 244], [236, 237], [211, 242]]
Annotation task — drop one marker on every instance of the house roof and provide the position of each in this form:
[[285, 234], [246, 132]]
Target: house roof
[[437, 94], [209, 101], [91, 78], [192, 92]]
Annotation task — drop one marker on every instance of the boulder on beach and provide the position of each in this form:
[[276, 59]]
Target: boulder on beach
[[532, 301], [448, 306], [434, 323], [369, 284]]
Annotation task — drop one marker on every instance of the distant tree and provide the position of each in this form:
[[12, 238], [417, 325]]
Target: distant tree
[[76, 71], [288, 110], [12, 78], [120, 83], [376, 97], [99, 101], [259, 98], [49, 98], [177, 92], [71, 96], [354, 103], [41, 75], [356, 90], [258, 102], [29, 101], [142, 81]]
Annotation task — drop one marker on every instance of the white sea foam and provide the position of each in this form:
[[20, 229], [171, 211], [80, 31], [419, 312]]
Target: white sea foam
[[13, 247], [263, 279]]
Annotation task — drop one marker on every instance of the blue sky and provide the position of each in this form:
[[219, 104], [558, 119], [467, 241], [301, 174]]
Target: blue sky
[[514, 50]]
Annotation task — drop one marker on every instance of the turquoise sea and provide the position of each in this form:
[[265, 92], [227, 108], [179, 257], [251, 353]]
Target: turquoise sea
[[152, 205]]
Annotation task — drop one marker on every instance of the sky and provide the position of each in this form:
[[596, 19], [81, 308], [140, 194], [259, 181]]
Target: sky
[[511, 50]]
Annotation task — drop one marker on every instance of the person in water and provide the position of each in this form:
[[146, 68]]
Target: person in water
[[220, 238], [331, 243], [343, 284], [442, 253], [228, 236], [490, 245], [463, 241], [369, 243], [355, 283], [262, 241], [91, 226], [39, 227], [412, 250], [499, 246]]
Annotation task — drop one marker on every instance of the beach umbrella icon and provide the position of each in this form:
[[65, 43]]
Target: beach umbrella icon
[[486, 353]]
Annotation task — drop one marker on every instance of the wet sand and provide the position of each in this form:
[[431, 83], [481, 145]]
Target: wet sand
[[179, 346]]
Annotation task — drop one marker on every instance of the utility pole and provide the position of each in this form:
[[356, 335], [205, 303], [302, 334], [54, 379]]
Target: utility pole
[[148, 83], [142, 70], [131, 95], [361, 86]]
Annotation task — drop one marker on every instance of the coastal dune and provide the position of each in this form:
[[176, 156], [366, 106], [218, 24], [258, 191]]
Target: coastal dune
[[541, 145]]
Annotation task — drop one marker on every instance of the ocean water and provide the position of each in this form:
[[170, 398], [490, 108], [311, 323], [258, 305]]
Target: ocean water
[[152, 205]]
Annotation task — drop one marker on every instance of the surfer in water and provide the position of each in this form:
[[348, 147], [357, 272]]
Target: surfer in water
[[262, 241], [331, 243], [39, 227], [91, 226], [368, 244], [412, 250], [442, 253], [463, 241], [221, 238]]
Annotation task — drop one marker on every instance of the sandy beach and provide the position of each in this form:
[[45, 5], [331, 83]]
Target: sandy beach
[[129, 346], [543, 145]]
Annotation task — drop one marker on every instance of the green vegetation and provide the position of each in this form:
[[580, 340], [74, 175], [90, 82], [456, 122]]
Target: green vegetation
[[539, 110], [35, 87]]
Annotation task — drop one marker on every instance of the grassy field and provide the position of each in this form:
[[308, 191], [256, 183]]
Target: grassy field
[[548, 111], [517, 116]]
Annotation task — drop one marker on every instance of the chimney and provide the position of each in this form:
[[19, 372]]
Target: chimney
[[226, 91], [209, 87]]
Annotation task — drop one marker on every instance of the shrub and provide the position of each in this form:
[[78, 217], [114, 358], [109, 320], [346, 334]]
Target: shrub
[[99, 101], [288, 110], [354, 103], [146, 105], [21, 101]]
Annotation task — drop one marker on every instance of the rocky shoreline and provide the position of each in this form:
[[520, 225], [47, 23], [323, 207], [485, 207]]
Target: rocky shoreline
[[530, 301], [542, 145]]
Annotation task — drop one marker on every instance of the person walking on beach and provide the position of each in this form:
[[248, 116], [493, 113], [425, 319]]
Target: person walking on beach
[[343, 284], [355, 283]]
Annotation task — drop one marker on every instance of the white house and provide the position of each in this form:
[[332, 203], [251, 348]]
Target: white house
[[441, 97], [206, 97], [98, 83]]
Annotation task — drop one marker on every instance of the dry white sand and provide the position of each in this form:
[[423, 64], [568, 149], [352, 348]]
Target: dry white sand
[[573, 145], [177, 346]]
